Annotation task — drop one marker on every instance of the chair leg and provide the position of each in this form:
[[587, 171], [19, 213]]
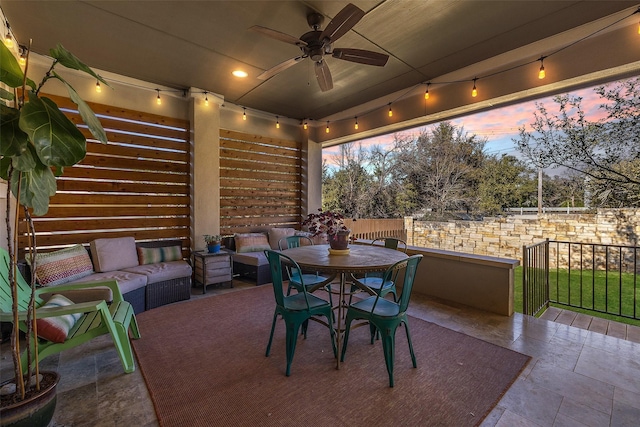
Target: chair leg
[[332, 332], [388, 347], [273, 328], [305, 325], [120, 335], [291, 339], [347, 326], [413, 356], [133, 328]]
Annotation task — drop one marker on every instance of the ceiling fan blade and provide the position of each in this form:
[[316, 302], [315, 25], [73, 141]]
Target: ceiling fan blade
[[362, 56], [277, 35], [278, 68], [324, 76], [342, 22]]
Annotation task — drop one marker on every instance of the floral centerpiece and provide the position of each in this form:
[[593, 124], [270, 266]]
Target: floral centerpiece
[[329, 223]]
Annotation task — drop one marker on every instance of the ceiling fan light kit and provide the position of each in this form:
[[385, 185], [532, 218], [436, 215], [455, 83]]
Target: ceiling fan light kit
[[317, 43]]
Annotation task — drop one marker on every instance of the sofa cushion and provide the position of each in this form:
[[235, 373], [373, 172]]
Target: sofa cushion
[[275, 234], [251, 242], [127, 281], [56, 329], [251, 258], [160, 254], [114, 254], [162, 271], [65, 265]]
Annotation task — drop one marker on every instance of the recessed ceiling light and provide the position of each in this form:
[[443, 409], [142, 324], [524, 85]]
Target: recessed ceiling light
[[240, 73]]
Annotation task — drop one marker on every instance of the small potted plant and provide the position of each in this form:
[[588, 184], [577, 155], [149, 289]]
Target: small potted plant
[[330, 223], [213, 242]]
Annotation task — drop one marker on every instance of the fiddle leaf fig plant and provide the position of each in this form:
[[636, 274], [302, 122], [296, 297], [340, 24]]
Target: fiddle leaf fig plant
[[38, 142]]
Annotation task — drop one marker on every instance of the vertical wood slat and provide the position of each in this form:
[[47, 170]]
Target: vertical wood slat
[[254, 196], [136, 185]]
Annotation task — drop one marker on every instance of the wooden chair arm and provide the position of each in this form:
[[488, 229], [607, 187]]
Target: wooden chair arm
[[111, 284]]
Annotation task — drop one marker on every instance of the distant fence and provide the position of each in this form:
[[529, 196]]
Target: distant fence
[[376, 228], [531, 211]]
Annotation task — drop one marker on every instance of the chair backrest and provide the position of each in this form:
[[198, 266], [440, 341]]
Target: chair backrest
[[24, 290], [275, 263], [392, 243], [410, 266], [290, 242]]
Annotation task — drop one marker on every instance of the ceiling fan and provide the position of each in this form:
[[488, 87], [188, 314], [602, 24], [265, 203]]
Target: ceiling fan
[[317, 43]]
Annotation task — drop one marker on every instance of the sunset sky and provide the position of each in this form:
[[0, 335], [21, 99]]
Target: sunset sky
[[498, 126]]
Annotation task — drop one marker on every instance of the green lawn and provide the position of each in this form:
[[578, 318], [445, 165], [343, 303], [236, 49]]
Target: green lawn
[[563, 281]]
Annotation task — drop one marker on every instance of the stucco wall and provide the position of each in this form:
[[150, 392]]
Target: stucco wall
[[504, 237]]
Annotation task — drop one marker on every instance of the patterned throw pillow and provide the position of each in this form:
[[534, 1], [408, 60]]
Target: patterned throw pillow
[[65, 265], [251, 242], [57, 328], [155, 255]]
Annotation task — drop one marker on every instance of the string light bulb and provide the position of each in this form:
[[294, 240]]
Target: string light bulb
[[390, 111], [23, 56], [541, 73], [277, 123], [474, 91], [244, 113], [98, 87], [206, 99], [305, 125], [426, 92], [327, 129], [356, 125], [8, 40], [638, 27], [158, 100]]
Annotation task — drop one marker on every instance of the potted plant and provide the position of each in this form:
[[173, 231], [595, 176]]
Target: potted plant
[[38, 141], [330, 223], [213, 242]]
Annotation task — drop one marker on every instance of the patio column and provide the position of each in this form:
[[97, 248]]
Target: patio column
[[311, 175], [205, 164]]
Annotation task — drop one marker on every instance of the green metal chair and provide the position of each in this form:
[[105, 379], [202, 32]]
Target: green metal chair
[[97, 317], [296, 310], [374, 280], [385, 316], [297, 276]]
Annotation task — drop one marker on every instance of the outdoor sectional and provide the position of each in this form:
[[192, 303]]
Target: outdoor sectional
[[149, 274]]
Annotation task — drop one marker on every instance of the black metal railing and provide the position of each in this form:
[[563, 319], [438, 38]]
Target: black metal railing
[[535, 278], [598, 277]]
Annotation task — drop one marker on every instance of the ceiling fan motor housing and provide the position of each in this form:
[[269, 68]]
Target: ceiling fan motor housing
[[314, 48]]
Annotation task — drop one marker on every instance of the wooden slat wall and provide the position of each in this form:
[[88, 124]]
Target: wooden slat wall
[[377, 228], [260, 182], [136, 185]]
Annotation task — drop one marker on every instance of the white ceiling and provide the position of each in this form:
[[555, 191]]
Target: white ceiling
[[184, 44]]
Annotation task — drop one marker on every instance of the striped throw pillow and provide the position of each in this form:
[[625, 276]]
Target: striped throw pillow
[[155, 255], [65, 265], [56, 329]]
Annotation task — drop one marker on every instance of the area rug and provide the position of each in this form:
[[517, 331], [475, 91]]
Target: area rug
[[204, 364]]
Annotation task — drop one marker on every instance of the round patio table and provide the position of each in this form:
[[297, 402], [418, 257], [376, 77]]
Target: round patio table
[[360, 259]]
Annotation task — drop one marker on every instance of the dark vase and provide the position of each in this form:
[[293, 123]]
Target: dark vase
[[339, 240], [36, 411]]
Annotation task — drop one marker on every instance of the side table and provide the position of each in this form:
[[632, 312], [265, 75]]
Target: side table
[[212, 268]]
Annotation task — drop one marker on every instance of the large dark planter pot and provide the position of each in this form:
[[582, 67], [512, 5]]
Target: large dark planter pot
[[36, 411], [340, 240]]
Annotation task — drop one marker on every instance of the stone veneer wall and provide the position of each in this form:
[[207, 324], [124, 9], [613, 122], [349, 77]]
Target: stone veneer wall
[[504, 237]]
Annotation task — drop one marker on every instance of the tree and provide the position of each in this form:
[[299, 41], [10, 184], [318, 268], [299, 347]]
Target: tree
[[442, 167], [505, 182], [606, 151], [345, 190]]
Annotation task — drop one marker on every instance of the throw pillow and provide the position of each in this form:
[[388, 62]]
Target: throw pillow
[[114, 253], [162, 254], [65, 265], [251, 242], [305, 242], [56, 329], [275, 234]]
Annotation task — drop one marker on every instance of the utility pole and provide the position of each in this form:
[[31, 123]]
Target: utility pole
[[539, 191]]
